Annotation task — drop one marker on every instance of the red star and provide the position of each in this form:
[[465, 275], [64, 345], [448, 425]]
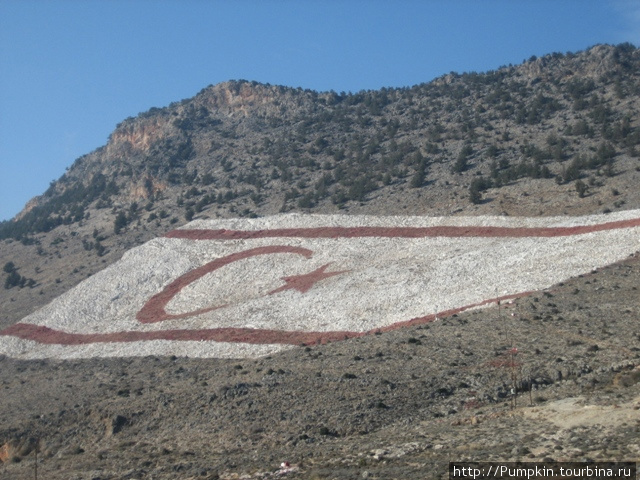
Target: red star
[[303, 283]]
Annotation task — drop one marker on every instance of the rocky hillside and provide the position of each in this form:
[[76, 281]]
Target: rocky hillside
[[554, 135]]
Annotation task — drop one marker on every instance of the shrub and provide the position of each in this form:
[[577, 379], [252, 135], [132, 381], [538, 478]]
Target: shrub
[[119, 223], [12, 280]]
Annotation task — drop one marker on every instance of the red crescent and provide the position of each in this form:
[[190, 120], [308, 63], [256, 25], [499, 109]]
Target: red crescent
[[154, 310]]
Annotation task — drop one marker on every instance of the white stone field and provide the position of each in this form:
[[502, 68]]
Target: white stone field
[[251, 287]]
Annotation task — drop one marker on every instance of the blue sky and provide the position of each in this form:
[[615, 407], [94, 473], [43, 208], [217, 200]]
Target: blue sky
[[71, 70]]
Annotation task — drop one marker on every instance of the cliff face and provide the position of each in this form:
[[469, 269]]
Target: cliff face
[[232, 98], [137, 137], [555, 135]]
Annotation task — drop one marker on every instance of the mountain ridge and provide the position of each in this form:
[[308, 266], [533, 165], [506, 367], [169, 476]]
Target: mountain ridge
[[136, 135]]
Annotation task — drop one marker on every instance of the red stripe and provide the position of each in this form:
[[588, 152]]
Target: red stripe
[[154, 310], [49, 336], [401, 232]]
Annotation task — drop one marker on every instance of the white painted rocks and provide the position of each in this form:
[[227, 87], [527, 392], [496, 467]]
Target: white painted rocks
[[251, 287]]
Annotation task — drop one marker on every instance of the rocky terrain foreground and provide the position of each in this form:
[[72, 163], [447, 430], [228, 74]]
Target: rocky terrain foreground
[[400, 404]]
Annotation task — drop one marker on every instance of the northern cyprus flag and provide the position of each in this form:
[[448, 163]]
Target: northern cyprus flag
[[251, 287]]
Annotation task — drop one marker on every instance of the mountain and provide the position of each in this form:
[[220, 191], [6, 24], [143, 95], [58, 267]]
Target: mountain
[[555, 135]]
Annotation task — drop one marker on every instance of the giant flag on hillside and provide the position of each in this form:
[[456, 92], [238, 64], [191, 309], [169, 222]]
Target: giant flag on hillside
[[251, 287]]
